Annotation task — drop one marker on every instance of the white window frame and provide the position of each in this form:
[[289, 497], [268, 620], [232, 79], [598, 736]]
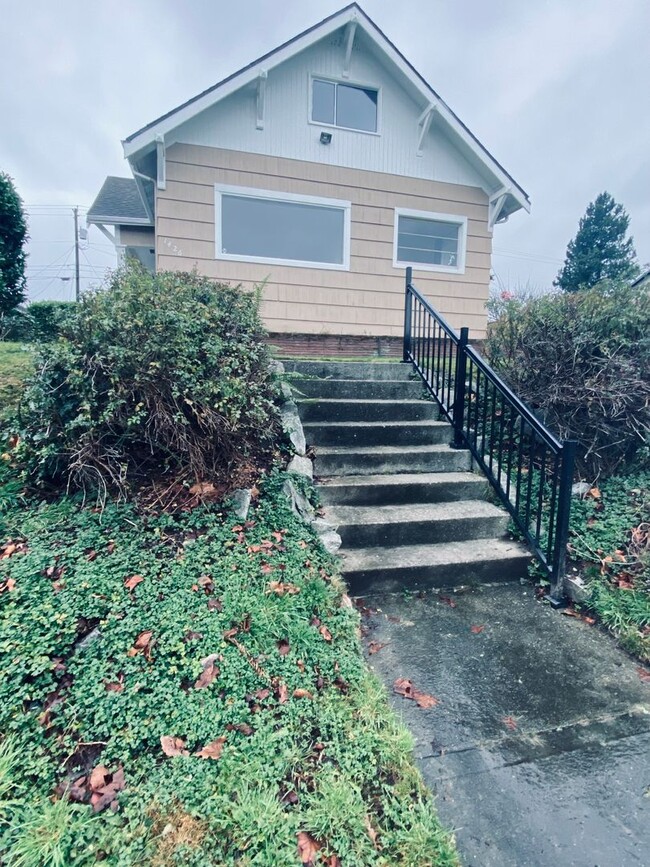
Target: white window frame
[[253, 193], [461, 222], [314, 76]]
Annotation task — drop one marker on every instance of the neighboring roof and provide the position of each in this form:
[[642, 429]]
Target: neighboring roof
[[645, 275], [146, 136], [119, 202]]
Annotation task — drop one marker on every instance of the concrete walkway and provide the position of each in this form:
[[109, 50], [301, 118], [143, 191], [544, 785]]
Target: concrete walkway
[[539, 748]]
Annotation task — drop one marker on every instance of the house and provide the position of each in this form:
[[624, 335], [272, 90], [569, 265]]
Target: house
[[323, 168], [643, 279]]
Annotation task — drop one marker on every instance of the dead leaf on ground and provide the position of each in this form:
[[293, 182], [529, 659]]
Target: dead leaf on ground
[[173, 746], [91, 555], [376, 646], [266, 568], [644, 674], [283, 693], [209, 673], [510, 722], [448, 601], [302, 693], [132, 582], [283, 647], [9, 584], [308, 848], [324, 631], [476, 629], [142, 644], [281, 588], [212, 750], [215, 604], [371, 831], [594, 493], [404, 687], [244, 728]]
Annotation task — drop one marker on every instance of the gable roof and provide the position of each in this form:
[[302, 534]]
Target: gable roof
[[119, 202], [144, 138]]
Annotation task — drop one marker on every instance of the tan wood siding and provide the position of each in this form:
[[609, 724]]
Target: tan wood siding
[[367, 299]]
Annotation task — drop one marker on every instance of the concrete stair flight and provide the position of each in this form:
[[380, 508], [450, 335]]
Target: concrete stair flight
[[409, 512]]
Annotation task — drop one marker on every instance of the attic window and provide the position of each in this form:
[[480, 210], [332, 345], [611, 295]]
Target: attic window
[[349, 106]]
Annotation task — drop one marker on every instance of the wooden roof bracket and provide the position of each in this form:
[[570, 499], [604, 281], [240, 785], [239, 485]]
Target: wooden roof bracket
[[261, 98], [350, 32], [424, 122]]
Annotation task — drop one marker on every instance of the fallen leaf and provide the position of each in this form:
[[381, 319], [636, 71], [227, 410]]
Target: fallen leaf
[[173, 746], [209, 673], [448, 601], [476, 629], [266, 568], [510, 722], [281, 588], [644, 674], [376, 646], [237, 529], [212, 750], [97, 779], [230, 633], [570, 612], [302, 693], [205, 581], [9, 584], [308, 848], [110, 547], [283, 647], [277, 535], [589, 620], [594, 492], [404, 687], [215, 604], [133, 581], [283, 693], [244, 728], [141, 644], [422, 699], [91, 555], [371, 831], [324, 631]]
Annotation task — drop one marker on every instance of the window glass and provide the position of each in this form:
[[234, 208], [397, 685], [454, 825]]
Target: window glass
[[274, 229], [344, 105], [431, 242], [356, 108], [323, 102]]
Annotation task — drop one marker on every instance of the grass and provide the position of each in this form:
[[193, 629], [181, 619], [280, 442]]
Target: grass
[[232, 638], [16, 362], [610, 546]]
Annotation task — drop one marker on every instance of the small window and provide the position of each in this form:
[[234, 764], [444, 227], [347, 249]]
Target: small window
[[261, 226], [345, 105], [434, 242]]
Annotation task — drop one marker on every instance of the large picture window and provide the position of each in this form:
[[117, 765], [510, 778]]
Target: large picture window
[[346, 105], [282, 228], [430, 242]]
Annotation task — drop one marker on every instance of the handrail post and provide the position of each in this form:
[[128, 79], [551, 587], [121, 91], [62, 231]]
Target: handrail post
[[459, 389], [406, 352], [556, 594]]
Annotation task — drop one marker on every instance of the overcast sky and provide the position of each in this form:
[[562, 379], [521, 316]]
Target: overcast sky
[[557, 90]]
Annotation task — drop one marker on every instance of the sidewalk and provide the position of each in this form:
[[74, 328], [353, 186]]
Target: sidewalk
[[539, 747]]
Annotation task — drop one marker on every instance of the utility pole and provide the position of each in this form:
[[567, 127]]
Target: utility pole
[[77, 291]]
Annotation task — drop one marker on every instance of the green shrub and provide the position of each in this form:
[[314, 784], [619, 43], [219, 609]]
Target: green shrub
[[582, 361], [48, 318], [162, 373]]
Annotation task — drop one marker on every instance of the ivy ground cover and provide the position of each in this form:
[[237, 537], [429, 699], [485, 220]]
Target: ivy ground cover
[[190, 690]]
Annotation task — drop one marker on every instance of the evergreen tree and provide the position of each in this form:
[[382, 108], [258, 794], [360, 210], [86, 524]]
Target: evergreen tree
[[13, 235], [599, 250]]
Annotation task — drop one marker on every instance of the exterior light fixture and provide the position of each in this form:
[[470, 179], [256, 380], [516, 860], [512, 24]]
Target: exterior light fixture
[[325, 137]]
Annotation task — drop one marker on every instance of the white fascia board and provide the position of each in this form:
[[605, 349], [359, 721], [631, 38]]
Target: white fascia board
[[165, 125], [119, 221]]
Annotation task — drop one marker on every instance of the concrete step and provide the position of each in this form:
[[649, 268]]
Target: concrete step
[[377, 433], [359, 389], [366, 410], [402, 488], [337, 461], [416, 523], [350, 369], [451, 564]]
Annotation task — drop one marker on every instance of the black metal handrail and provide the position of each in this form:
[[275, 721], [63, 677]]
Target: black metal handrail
[[529, 468]]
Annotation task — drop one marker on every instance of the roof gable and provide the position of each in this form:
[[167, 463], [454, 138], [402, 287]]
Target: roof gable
[[509, 194]]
